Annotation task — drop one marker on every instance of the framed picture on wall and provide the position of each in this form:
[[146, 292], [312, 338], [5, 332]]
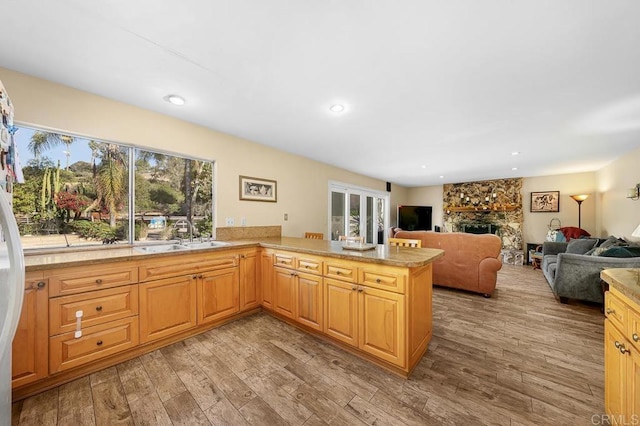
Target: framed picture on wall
[[545, 202], [257, 189]]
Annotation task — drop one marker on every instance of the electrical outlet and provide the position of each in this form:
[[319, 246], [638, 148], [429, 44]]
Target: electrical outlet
[[286, 216], [230, 221], [243, 221]]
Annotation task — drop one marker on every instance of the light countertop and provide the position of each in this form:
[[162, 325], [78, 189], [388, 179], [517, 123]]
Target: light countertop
[[382, 254], [625, 280]]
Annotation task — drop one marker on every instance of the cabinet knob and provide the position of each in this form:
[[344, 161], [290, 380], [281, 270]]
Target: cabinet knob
[[623, 350], [360, 290], [635, 337], [354, 288], [99, 343], [338, 273], [194, 277], [41, 284], [99, 308], [610, 311], [99, 281], [378, 280], [200, 276], [617, 344]]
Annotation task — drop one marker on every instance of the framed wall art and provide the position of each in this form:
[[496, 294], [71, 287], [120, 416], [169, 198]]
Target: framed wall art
[[545, 202], [257, 189]]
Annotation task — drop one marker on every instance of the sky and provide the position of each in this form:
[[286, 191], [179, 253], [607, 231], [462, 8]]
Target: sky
[[78, 151]]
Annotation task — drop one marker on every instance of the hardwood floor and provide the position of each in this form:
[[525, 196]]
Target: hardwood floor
[[519, 358]]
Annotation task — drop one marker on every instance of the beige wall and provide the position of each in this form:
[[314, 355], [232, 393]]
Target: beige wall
[[302, 183], [617, 214], [428, 196], [536, 225]]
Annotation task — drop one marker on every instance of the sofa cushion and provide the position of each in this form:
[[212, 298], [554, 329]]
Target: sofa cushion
[[581, 246], [618, 251], [551, 270]]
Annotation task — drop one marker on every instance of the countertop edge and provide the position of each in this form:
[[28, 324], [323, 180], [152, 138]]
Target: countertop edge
[[624, 280]]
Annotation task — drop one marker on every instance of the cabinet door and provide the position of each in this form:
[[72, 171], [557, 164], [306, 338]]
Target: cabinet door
[[284, 297], [633, 386], [30, 350], [341, 311], [249, 286], [266, 279], [381, 319], [614, 371], [309, 300], [218, 295], [167, 307]]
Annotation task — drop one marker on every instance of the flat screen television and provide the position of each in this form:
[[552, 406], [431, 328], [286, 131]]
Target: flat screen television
[[414, 218]]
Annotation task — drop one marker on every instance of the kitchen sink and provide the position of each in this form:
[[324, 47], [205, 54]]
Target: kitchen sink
[[161, 248], [206, 244]]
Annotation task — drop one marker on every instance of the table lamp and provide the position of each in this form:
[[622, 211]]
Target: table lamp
[[579, 199]]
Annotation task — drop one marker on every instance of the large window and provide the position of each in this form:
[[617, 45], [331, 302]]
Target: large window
[[78, 191]]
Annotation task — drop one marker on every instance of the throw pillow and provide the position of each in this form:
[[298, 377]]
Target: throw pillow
[[555, 235], [571, 232], [581, 246], [621, 252]]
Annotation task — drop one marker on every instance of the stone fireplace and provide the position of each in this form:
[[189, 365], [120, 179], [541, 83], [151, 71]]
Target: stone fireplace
[[492, 206]]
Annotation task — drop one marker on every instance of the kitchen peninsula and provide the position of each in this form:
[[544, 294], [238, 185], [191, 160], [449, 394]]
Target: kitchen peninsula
[[90, 309]]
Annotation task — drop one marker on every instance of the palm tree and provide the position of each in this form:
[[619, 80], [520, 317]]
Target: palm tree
[[110, 179], [43, 141]]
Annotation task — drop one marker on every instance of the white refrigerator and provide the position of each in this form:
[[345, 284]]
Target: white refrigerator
[[11, 257]]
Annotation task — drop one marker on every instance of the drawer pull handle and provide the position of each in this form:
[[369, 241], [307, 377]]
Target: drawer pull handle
[[99, 343], [99, 281], [623, 350], [378, 280], [40, 284], [635, 337], [99, 308], [610, 311]]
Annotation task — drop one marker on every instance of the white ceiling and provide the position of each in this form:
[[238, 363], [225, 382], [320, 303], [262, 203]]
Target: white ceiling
[[453, 85]]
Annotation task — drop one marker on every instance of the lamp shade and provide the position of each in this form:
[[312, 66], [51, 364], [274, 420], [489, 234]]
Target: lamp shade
[[580, 198], [636, 232]]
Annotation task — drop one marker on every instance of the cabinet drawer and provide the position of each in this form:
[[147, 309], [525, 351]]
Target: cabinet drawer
[[96, 342], [185, 264], [97, 307], [616, 310], [344, 271], [311, 265], [633, 327], [79, 280], [284, 260], [383, 277]]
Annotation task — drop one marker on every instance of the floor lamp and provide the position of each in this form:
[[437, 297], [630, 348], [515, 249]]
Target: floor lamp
[[579, 199]]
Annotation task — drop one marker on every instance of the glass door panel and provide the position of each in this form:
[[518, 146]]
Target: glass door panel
[[354, 215], [338, 214]]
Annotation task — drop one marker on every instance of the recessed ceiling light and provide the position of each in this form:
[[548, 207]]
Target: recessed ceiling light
[[337, 108], [175, 99], [441, 177], [514, 168], [515, 153], [424, 166]]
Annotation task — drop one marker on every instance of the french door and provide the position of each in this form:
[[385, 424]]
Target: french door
[[355, 211]]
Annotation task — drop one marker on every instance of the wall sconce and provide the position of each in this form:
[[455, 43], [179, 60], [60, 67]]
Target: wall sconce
[[634, 193]]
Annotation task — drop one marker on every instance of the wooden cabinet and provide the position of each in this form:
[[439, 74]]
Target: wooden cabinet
[[367, 318], [30, 354], [167, 306], [250, 294], [218, 294], [266, 277], [341, 311], [74, 280], [381, 324], [68, 351], [621, 358], [284, 292], [309, 300]]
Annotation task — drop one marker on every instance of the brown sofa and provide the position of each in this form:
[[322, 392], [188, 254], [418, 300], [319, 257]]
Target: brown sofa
[[470, 261]]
